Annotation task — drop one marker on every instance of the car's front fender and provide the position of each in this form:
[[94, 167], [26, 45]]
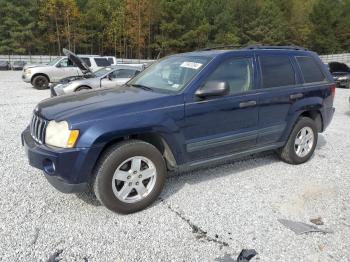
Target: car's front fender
[[165, 122]]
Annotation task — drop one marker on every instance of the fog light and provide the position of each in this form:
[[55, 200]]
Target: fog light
[[49, 166]]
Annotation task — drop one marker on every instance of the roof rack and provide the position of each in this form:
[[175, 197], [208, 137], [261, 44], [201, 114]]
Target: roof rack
[[289, 47], [220, 47], [255, 46]]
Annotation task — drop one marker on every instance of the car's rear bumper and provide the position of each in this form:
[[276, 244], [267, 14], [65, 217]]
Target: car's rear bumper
[[68, 170]]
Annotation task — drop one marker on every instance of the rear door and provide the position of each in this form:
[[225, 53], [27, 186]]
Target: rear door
[[280, 88]]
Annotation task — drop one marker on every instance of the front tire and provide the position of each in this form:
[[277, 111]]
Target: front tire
[[301, 143], [40, 82], [129, 176]]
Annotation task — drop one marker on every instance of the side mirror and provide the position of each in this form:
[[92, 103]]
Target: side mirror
[[110, 77], [58, 65], [213, 88]]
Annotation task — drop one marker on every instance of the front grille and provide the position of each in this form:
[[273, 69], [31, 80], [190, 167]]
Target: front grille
[[37, 128]]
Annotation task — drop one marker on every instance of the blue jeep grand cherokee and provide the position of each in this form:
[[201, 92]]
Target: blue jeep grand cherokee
[[186, 110]]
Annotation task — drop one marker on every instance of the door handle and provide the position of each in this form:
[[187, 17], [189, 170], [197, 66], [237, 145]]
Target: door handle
[[247, 104], [296, 96]]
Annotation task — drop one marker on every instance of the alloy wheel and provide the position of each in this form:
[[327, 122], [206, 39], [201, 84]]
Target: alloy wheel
[[304, 141], [134, 179]]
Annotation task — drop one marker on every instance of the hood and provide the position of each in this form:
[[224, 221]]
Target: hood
[[338, 67], [340, 74], [68, 79], [95, 104], [35, 65], [77, 61]]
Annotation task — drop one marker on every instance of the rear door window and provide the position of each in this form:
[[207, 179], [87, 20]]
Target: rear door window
[[277, 71], [102, 62], [123, 73], [310, 69], [126, 73]]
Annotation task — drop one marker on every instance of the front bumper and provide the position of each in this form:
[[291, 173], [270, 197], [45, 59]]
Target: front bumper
[[26, 78], [342, 83], [52, 90], [68, 170]]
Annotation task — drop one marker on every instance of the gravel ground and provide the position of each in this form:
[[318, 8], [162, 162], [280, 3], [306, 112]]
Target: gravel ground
[[204, 215]]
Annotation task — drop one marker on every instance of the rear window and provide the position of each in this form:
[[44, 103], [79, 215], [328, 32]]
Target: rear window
[[102, 62], [277, 71], [110, 60], [310, 70], [86, 60]]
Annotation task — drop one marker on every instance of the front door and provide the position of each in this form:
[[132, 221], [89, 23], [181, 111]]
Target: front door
[[224, 125], [65, 68], [118, 77]]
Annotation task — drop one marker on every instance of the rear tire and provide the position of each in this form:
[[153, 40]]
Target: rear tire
[[129, 176], [301, 142], [40, 82]]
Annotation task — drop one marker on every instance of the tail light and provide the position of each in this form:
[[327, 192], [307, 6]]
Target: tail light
[[333, 87]]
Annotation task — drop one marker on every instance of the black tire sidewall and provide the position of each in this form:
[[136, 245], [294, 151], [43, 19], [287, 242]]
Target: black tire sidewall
[[104, 175], [303, 122], [40, 87]]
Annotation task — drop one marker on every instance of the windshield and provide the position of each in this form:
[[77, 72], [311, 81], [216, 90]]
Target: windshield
[[53, 62], [171, 73], [102, 71]]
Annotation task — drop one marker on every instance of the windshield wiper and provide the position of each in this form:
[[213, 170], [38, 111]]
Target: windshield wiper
[[143, 87]]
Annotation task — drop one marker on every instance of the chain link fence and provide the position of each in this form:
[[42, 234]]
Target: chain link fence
[[43, 59], [341, 58]]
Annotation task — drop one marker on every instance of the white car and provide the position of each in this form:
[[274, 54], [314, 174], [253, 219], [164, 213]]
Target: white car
[[112, 76], [41, 75]]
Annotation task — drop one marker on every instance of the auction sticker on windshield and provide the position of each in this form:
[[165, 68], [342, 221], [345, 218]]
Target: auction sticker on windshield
[[191, 65]]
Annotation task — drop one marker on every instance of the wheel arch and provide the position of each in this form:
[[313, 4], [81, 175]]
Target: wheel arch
[[86, 86], [313, 112], [316, 115], [39, 74], [155, 139]]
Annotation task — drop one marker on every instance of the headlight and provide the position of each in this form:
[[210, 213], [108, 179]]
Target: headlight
[[343, 78], [27, 71], [58, 134]]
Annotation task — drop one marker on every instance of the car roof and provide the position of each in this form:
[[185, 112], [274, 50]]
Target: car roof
[[257, 49]]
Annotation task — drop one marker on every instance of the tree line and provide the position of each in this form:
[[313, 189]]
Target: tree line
[[151, 28]]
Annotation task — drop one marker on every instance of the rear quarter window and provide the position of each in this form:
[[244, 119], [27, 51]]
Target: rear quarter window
[[102, 62], [277, 71], [310, 69]]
